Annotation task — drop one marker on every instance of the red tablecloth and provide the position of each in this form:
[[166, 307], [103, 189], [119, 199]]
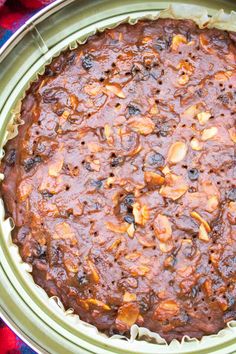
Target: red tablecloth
[[12, 15]]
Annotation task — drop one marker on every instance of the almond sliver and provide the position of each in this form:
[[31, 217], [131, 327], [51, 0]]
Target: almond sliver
[[177, 152]]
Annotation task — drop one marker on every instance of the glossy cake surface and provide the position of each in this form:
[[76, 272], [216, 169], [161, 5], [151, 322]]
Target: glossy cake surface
[[122, 179]]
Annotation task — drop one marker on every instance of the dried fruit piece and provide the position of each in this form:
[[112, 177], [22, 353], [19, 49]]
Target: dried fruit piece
[[133, 110], [166, 309], [31, 162], [165, 170], [166, 247], [129, 219], [192, 111], [185, 271], [153, 179], [223, 75], [212, 203], [55, 166], [139, 270], [177, 152], [114, 245], [162, 228], [24, 190], [154, 159], [74, 101], [95, 165], [232, 134], [198, 217], [203, 235], [231, 195], [204, 42], [232, 213], [186, 66], [154, 110], [174, 187], [116, 89], [87, 62], [119, 228], [71, 265], [193, 174], [207, 285], [133, 256], [10, 158], [108, 135], [94, 147], [128, 297], [98, 303], [177, 40], [141, 214], [169, 262], [131, 230], [209, 133], [93, 89], [93, 271], [196, 144], [127, 315], [142, 125], [203, 117], [64, 231], [183, 79]]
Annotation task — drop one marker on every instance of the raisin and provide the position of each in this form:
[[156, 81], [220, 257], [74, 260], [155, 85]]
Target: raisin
[[82, 279], [227, 267], [192, 190], [193, 174], [87, 166], [231, 300], [199, 92], [71, 58], [129, 200], [189, 250], [123, 208], [22, 233], [144, 305], [225, 99], [129, 219], [87, 62], [31, 162], [59, 111], [232, 194], [97, 184], [133, 110], [194, 291], [161, 44], [11, 157], [117, 161], [156, 159], [49, 96], [163, 129], [49, 72], [40, 251], [46, 194]]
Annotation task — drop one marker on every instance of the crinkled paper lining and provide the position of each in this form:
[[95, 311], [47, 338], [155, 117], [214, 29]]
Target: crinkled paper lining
[[199, 15]]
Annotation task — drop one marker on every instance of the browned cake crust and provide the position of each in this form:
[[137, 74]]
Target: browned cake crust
[[121, 182]]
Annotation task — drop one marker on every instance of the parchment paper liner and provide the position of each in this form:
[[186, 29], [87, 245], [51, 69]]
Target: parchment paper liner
[[199, 15]]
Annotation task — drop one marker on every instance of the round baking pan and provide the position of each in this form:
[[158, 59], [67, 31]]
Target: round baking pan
[[42, 37]]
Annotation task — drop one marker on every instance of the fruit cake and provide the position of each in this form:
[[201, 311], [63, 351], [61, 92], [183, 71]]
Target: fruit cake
[[122, 179]]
